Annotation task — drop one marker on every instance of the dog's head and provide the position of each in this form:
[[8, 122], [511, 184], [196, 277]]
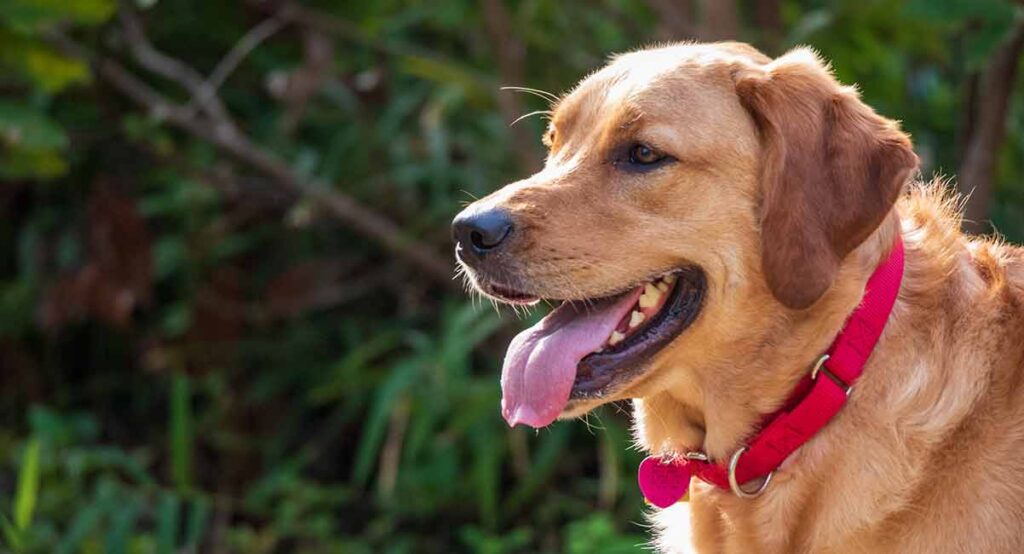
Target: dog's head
[[692, 195]]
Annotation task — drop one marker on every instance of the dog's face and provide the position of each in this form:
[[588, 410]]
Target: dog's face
[[681, 207]]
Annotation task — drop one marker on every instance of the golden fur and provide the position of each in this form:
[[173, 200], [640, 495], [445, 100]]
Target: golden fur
[[783, 193]]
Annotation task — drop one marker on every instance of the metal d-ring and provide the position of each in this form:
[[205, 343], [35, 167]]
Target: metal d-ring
[[818, 365], [735, 486]]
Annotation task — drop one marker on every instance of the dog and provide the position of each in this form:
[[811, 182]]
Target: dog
[[709, 217]]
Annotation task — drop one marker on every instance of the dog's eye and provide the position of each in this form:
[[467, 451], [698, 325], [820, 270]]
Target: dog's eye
[[641, 154]]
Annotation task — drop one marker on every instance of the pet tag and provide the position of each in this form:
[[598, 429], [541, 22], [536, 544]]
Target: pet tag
[[663, 484]]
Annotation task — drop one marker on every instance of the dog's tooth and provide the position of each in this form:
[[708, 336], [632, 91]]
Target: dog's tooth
[[650, 296], [616, 338], [671, 278], [662, 286], [635, 318]]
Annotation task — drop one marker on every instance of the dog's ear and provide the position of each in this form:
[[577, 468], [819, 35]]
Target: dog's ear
[[831, 171]]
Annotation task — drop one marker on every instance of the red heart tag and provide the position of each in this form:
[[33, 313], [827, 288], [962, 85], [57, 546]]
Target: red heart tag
[[663, 484]]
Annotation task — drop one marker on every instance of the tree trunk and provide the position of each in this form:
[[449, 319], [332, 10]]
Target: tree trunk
[[720, 20], [987, 128], [768, 18], [675, 18]]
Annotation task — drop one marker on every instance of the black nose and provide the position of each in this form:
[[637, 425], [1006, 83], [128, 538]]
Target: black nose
[[481, 232]]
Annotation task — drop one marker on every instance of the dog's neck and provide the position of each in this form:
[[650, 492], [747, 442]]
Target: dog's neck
[[766, 366], [910, 412]]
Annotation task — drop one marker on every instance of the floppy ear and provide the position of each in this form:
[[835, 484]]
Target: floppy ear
[[832, 170]]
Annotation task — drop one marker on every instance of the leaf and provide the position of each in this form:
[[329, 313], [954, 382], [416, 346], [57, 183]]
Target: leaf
[[597, 533], [355, 362], [167, 523], [28, 486], [181, 432], [198, 517], [959, 11], [29, 15], [486, 474], [448, 74], [40, 64], [22, 163], [29, 128], [17, 303], [552, 447], [809, 24], [402, 376], [11, 535], [86, 519], [122, 523], [982, 43]]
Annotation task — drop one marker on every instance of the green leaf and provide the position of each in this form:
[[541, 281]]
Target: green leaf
[[28, 15], [86, 519], [40, 64], [176, 320], [552, 447], [401, 378], [28, 486], [181, 432], [198, 517], [449, 74], [122, 524], [11, 535], [486, 474], [167, 524], [24, 126], [598, 533], [22, 163], [17, 303]]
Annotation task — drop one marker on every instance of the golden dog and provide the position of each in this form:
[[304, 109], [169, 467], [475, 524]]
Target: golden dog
[[713, 215]]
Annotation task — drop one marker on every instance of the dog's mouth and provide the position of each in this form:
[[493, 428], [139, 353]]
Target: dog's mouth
[[588, 350]]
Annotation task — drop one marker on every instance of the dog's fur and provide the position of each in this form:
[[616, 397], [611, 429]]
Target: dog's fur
[[787, 191]]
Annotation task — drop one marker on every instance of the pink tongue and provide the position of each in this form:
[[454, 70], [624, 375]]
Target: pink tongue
[[540, 365]]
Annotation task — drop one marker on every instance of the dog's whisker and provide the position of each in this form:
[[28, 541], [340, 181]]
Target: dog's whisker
[[550, 97], [524, 116]]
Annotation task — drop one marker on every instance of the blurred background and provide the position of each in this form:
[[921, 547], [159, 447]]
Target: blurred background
[[228, 319]]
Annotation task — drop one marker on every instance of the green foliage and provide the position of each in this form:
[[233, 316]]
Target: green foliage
[[32, 144], [24, 498], [181, 432], [195, 360]]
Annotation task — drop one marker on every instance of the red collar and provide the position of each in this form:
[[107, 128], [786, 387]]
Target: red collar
[[814, 402]]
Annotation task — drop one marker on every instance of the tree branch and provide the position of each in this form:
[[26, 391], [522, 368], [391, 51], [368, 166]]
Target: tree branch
[[228, 64], [351, 212], [511, 54], [171, 69]]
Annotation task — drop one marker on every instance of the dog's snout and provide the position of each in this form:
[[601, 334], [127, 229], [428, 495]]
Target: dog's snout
[[482, 232]]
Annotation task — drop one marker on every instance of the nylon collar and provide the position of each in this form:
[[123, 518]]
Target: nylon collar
[[814, 402]]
